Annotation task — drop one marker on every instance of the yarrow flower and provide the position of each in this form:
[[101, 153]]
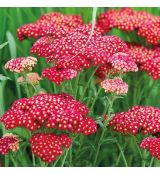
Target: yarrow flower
[[145, 119], [54, 24], [152, 145], [58, 75], [32, 78], [122, 62], [76, 51], [128, 20], [9, 142], [59, 111], [49, 146], [21, 64], [115, 85]]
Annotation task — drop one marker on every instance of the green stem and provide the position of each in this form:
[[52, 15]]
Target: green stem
[[122, 153], [64, 158], [98, 92], [151, 162], [88, 83], [99, 146]]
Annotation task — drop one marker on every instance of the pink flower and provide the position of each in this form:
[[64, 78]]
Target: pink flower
[[152, 145], [49, 146], [9, 142], [115, 85], [21, 64], [32, 78]]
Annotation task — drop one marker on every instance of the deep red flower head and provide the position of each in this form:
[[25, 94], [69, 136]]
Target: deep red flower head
[[151, 31], [49, 146], [145, 119], [58, 75], [59, 111], [54, 24], [152, 145], [78, 50], [9, 142], [127, 19], [21, 64]]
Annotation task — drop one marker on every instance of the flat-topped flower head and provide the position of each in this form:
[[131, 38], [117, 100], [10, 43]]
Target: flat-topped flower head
[[116, 85], [49, 146], [21, 64], [122, 62], [152, 145], [32, 78], [9, 142], [145, 119], [58, 75], [51, 24], [126, 19], [60, 111]]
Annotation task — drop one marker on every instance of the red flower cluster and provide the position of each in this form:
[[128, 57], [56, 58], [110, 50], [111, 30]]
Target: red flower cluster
[[58, 75], [147, 59], [21, 64], [49, 146], [60, 111], [137, 119], [152, 145], [9, 142], [54, 24], [115, 85], [127, 19], [151, 31], [77, 50]]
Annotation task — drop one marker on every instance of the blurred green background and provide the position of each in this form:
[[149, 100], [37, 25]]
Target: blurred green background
[[142, 89]]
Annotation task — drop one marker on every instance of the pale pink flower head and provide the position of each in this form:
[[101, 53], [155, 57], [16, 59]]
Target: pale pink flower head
[[32, 78], [121, 62], [116, 85], [9, 142], [21, 64]]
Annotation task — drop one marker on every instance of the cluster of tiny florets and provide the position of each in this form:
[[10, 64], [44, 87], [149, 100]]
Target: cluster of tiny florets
[[77, 50], [122, 62], [9, 142], [59, 111], [145, 119], [58, 75], [31, 78], [116, 85], [49, 146], [146, 58], [127, 19], [21, 64], [54, 24], [152, 145]]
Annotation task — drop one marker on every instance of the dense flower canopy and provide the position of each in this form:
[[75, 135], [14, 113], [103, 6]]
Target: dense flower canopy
[[127, 19], [49, 146], [152, 145], [59, 111], [53, 24], [145, 119], [21, 64], [115, 85], [9, 142], [78, 50]]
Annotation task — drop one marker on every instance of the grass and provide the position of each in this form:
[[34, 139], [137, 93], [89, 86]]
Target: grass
[[116, 150]]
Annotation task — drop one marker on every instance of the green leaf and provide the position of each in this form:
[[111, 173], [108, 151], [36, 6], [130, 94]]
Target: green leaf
[[12, 44], [3, 78], [3, 45]]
